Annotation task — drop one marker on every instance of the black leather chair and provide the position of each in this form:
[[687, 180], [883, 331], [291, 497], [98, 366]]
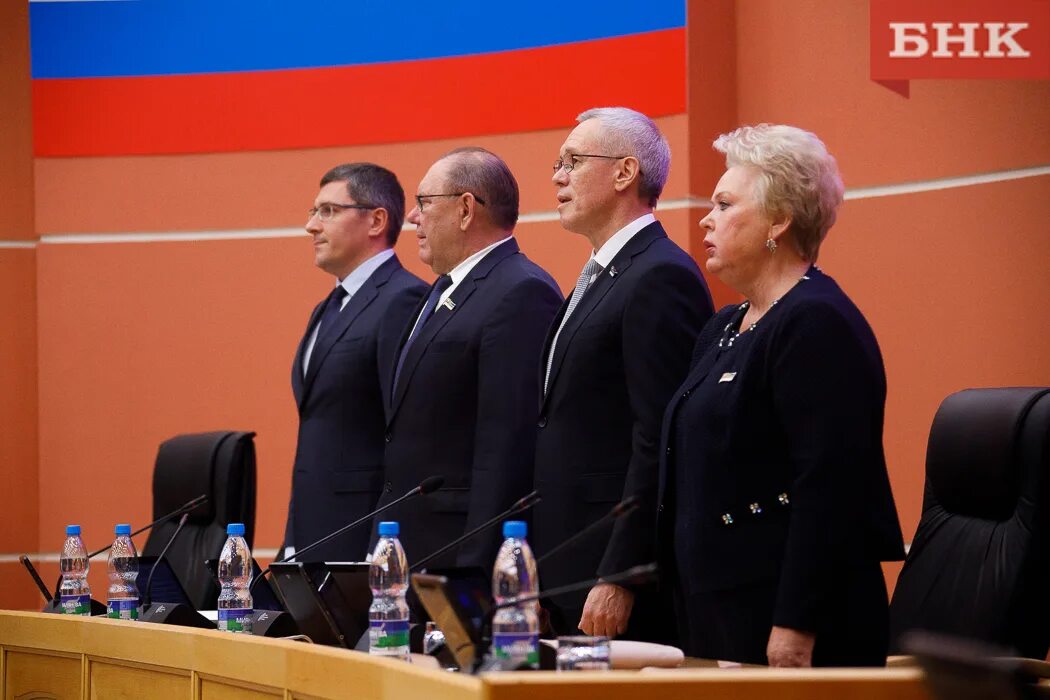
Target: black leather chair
[[222, 466], [979, 565]]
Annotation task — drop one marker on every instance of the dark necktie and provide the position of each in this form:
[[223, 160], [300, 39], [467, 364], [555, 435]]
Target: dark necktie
[[443, 282], [332, 306]]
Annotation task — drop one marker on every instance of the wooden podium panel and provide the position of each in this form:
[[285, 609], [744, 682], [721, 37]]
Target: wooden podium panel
[[126, 681], [44, 657], [55, 675]]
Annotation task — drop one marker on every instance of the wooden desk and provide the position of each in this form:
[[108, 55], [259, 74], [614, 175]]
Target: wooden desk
[[73, 658]]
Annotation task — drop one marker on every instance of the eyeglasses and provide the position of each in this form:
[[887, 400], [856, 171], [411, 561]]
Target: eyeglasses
[[327, 211], [573, 157], [420, 198]]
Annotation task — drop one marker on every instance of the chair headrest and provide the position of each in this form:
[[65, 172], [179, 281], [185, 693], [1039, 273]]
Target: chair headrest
[[972, 458], [184, 470]]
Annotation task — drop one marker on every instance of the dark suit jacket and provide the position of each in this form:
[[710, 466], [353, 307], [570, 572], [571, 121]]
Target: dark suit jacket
[[338, 458], [790, 449], [465, 407], [622, 352]]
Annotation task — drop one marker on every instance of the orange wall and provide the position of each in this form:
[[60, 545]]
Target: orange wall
[[18, 371], [16, 134]]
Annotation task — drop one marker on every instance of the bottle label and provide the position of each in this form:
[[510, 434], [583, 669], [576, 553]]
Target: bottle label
[[387, 636], [518, 647], [76, 604], [235, 620], [123, 609]]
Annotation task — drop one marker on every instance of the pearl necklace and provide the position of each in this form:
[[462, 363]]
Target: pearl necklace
[[729, 336]]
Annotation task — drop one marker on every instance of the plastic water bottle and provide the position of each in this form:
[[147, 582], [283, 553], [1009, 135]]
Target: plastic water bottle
[[74, 594], [235, 576], [388, 579], [122, 602], [516, 629]]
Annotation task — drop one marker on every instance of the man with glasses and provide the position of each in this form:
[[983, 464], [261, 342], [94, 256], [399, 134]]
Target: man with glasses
[[466, 375], [342, 366], [615, 354]]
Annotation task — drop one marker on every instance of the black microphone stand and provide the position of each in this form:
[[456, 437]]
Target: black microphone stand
[[146, 593], [521, 505], [429, 485], [621, 509], [185, 508], [52, 605], [170, 613]]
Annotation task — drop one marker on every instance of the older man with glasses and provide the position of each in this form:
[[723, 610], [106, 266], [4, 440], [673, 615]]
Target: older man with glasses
[[615, 354], [466, 377], [340, 375]]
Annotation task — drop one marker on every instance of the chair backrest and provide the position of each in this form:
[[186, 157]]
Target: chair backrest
[[221, 465], [978, 565]]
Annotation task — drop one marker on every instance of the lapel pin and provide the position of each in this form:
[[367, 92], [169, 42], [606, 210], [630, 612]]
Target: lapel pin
[[612, 271], [727, 377], [449, 304]]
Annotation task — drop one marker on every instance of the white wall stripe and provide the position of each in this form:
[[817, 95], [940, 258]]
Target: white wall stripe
[[692, 201], [946, 183]]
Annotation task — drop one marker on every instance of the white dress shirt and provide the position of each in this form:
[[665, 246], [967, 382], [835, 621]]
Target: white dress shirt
[[460, 272], [604, 255]]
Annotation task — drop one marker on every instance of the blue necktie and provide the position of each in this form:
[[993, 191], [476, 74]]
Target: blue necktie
[[332, 307], [440, 286]]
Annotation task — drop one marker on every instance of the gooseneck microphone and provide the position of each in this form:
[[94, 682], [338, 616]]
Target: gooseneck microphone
[[428, 485], [146, 597], [170, 613], [184, 508], [521, 505], [643, 573], [624, 507]]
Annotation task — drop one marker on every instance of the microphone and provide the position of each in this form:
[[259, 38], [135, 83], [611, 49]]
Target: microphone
[[184, 508], [36, 578], [427, 486], [521, 505], [624, 507], [170, 613], [643, 573], [153, 569]]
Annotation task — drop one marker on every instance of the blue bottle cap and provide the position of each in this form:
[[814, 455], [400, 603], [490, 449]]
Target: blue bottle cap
[[515, 528], [72, 530], [123, 529], [389, 528], [235, 530]]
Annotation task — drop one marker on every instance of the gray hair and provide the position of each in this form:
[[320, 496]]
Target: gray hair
[[373, 186], [798, 178], [634, 134], [484, 174]]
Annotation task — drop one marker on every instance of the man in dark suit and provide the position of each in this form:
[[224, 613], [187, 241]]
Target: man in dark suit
[[342, 366], [466, 383], [614, 356]]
